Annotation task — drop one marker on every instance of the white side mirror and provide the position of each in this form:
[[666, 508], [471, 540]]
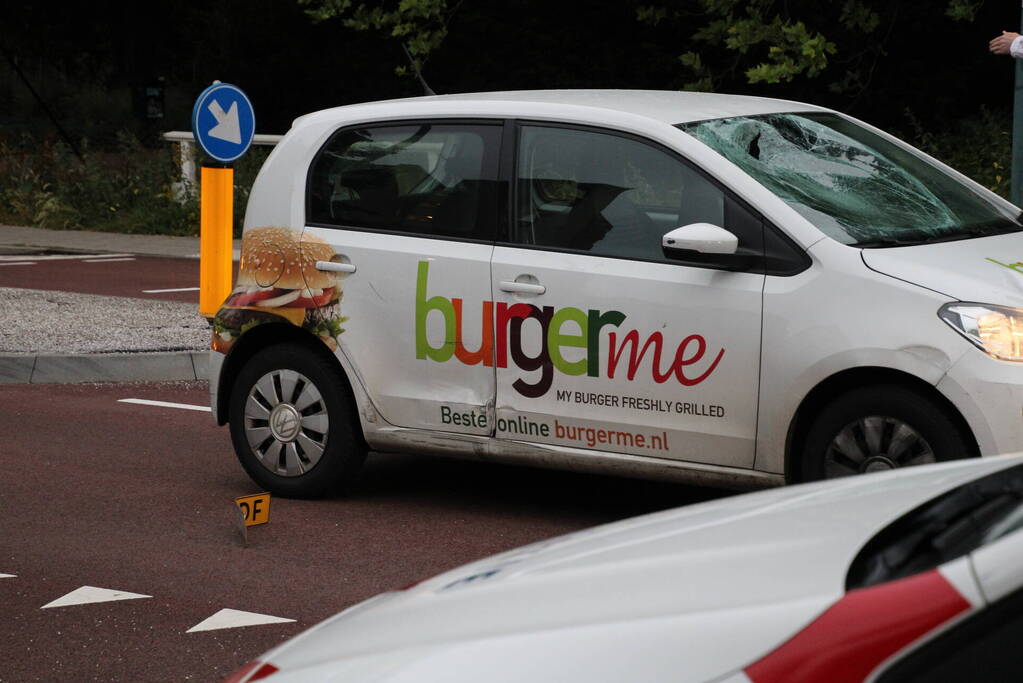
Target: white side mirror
[[701, 237]]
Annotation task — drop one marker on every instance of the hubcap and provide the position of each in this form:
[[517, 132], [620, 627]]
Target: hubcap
[[286, 422], [875, 444]]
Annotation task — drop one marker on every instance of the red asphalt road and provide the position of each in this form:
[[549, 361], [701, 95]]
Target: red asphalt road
[[139, 498], [111, 278]]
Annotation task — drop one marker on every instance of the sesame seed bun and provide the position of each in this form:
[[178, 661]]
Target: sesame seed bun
[[281, 257]]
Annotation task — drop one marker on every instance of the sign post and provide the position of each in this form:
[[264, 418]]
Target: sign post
[[1016, 179], [223, 123]]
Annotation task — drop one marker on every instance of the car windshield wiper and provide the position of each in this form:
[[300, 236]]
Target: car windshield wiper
[[882, 242]]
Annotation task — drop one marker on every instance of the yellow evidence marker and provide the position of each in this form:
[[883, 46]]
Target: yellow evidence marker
[[255, 508]]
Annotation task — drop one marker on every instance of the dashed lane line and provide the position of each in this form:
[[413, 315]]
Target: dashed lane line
[[19, 263], [8, 576], [90, 594], [233, 618], [164, 404], [58, 257], [108, 260], [166, 291]]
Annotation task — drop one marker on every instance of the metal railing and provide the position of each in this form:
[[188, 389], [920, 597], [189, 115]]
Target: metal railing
[[186, 150]]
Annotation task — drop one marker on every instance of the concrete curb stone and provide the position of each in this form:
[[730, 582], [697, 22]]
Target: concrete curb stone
[[103, 367]]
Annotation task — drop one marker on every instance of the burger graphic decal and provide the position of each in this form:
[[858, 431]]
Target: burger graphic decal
[[278, 281]]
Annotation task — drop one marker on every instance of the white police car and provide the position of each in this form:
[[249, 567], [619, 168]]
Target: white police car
[[909, 577], [721, 289]]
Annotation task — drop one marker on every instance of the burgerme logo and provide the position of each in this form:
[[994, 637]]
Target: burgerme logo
[[561, 328]]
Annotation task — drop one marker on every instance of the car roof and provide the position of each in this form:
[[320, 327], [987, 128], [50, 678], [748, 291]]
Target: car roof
[[664, 106]]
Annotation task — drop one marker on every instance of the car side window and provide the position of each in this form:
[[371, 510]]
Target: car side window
[[424, 179], [609, 195]]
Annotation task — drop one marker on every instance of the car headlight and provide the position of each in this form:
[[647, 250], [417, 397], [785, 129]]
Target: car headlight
[[996, 330]]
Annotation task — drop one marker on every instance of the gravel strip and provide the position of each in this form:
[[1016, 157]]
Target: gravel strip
[[34, 321]]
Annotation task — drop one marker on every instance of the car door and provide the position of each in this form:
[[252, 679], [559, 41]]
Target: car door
[[409, 210], [601, 342]]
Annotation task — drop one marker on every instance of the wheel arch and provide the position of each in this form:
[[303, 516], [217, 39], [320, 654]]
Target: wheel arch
[[835, 385], [257, 339]]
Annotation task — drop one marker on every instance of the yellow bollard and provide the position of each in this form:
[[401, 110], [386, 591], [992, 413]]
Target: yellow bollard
[[216, 211]]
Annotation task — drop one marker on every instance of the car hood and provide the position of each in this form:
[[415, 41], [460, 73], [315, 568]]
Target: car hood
[[984, 270], [717, 585]]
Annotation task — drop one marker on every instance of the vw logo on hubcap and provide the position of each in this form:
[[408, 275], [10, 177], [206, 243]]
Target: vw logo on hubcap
[[285, 422]]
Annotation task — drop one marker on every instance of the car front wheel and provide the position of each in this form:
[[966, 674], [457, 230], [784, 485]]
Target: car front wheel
[[293, 423], [878, 428]]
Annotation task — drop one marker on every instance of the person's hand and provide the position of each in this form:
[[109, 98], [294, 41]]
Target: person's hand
[[1000, 45]]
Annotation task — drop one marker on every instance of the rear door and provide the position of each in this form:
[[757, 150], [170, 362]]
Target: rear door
[[411, 210]]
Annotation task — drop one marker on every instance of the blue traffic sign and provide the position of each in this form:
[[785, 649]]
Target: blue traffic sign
[[223, 122]]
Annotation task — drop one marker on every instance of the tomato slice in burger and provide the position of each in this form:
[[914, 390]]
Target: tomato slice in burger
[[250, 298]]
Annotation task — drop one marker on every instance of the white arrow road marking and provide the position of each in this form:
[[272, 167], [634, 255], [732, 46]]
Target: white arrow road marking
[[163, 291], [228, 127], [88, 594], [232, 618], [164, 404], [8, 576]]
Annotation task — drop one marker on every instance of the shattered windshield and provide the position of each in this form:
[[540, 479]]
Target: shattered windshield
[[854, 185]]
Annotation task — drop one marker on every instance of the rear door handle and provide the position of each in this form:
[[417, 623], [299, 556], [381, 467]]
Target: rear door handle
[[521, 287], [335, 267]]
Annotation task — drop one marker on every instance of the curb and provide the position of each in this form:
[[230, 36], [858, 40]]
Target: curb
[[103, 367]]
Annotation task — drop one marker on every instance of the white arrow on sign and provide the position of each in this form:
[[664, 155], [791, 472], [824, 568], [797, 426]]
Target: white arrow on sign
[[227, 127]]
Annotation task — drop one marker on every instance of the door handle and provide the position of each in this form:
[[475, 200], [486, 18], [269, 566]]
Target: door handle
[[335, 267], [521, 287]]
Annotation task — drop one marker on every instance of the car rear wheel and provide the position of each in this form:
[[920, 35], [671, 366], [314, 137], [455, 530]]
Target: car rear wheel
[[293, 423], [873, 429]]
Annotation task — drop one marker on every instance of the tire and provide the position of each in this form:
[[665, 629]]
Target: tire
[[879, 428], [293, 423]]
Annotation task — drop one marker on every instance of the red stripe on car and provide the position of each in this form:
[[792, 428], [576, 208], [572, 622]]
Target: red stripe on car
[[863, 629]]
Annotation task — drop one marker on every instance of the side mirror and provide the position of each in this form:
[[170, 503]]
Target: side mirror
[[703, 244], [700, 237]]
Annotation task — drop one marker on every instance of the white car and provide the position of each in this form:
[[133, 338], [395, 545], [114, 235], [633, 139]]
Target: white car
[[719, 289], [912, 575]]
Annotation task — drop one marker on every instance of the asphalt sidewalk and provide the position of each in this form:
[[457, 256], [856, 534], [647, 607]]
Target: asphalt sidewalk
[[48, 337]]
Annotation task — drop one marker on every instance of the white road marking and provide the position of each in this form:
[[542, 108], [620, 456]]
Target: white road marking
[[108, 260], [232, 618], [56, 257], [163, 291], [89, 594], [8, 576], [19, 263], [164, 404]]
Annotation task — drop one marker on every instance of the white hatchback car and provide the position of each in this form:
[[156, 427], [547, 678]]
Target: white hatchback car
[[722, 289], [908, 576]]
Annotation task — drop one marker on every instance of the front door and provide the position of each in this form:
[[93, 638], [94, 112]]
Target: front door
[[410, 210], [601, 342]]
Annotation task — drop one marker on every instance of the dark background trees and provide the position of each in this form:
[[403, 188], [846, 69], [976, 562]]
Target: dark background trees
[[904, 65], [90, 61]]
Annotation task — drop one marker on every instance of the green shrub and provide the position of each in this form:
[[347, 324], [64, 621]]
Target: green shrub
[[979, 147], [129, 188]]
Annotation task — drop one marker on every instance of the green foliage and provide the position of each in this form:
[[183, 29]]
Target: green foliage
[[420, 25], [129, 188], [979, 147], [774, 42]]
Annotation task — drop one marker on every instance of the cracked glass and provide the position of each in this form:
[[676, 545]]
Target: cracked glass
[[853, 184]]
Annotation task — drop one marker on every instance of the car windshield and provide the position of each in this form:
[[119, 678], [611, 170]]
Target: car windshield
[[853, 184]]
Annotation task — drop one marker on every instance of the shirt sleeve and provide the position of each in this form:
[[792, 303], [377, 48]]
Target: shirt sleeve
[[1016, 48]]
